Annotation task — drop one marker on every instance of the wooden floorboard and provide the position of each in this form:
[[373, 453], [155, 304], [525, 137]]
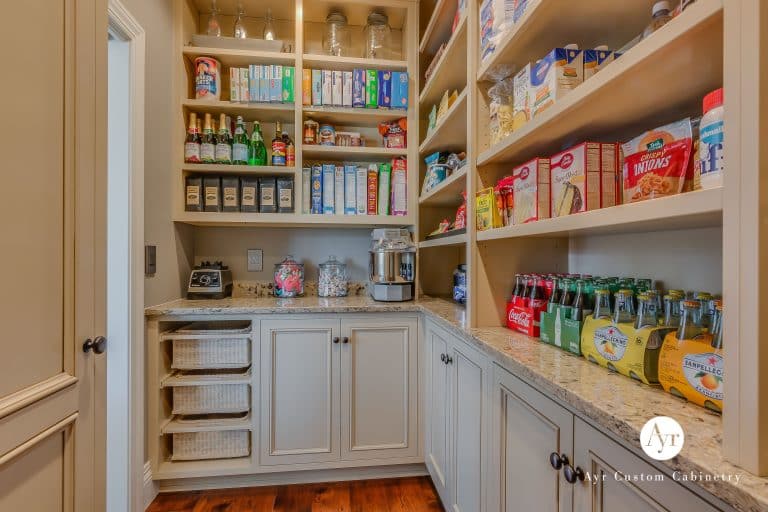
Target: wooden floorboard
[[383, 495]]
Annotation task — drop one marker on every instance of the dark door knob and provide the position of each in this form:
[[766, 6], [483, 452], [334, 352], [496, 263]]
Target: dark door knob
[[345, 340], [557, 461], [98, 345], [336, 339], [442, 357], [571, 474], [448, 359]]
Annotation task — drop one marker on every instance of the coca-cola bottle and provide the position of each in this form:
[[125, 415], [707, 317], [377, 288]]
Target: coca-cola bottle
[[528, 280], [538, 294], [518, 289], [554, 298]]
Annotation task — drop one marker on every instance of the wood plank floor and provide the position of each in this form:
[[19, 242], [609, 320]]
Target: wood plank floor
[[385, 495]]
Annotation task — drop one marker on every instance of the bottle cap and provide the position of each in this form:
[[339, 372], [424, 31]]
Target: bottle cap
[[571, 46], [691, 304], [601, 47], [713, 100], [663, 5]]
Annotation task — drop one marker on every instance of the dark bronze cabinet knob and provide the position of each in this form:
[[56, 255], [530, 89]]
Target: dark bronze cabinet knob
[[557, 461], [448, 359], [345, 340], [442, 357], [97, 344], [571, 474], [336, 339]]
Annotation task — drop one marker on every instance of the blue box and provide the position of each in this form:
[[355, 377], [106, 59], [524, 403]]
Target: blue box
[[316, 184], [253, 82], [264, 74], [276, 84], [385, 89], [400, 90], [329, 196], [358, 88], [317, 87]]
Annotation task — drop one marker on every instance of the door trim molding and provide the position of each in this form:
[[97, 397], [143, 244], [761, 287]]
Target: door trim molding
[[35, 392], [45, 434]]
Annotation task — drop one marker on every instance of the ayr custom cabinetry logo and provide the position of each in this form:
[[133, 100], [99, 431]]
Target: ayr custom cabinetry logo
[[662, 438]]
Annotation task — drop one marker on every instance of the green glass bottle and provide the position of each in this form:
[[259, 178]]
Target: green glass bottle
[[223, 142], [240, 144], [257, 151], [208, 142]]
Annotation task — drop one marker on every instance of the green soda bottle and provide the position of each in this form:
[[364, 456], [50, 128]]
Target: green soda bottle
[[257, 150]]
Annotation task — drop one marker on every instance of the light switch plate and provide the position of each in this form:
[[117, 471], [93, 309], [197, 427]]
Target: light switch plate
[[255, 260]]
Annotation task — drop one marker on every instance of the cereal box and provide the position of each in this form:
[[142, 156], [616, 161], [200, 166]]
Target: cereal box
[[234, 85], [327, 95], [399, 186], [265, 74], [385, 184], [575, 179], [276, 84], [306, 86], [385, 89], [329, 193], [358, 88], [338, 205], [316, 177], [531, 191], [595, 60], [245, 90], [560, 71], [289, 80], [346, 89], [253, 82], [373, 189], [361, 190], [371, 88], [521, 106], [400, 90], [350, 189], [317, 87], [336, 88]]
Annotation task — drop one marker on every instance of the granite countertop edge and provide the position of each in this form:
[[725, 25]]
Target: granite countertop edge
[[566, 378]]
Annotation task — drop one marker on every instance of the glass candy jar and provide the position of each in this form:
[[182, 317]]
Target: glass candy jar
[[289, 278], [336, 37], [332, 279], [377, 36]]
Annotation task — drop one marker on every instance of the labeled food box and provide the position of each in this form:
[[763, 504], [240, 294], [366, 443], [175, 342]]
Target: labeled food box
[[554, 76], [253, 82], [385, 89], [487, 213], [267, 193], [234, 85], [193, 194], [399, 186], [249, 194], [575, 179], [316, 184], [656, 162], [306, 189], [338, 188], [289, 83], [265, 74], [372, 189], [358, 88], [245, 95], [692, 369], [350, 189], [317, 87], [285, 195], [385, 182], [531, 191], [230, 194], [557, 328], [327, 96], [306, 86], [610, 175], [399, 90], [371, 88], [212, 194], [595, 60], [622, 348], [329, 194], [346, 88], [276, 84], [521, 102], [336, 88]]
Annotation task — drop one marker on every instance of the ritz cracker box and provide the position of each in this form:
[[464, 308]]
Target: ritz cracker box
[[692, 369], [559, 329]]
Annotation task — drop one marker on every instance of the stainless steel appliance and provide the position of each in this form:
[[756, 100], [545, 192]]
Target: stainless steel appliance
[[392, 267], [210, 280]]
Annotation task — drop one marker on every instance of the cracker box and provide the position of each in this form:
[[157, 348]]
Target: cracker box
[[234, 85], [361, 190], [399, 90], [289, 82], [306, 87], [358, 88], [329, 194], [399, 186], [521, 106], [336, 88], [575, 179], [372, 190], [276, 84], [559, 72], [385, 183], [559, 329], [265, 74], [385, 89], [317, 87], [531, 191], [316, 183], [338, 187], [487, 215], [327, 87], [595, 60], [371, 88], [350, 189], [253, 82], [245, 90], [346, 89]]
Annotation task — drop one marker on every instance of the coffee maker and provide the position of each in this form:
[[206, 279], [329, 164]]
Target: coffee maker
[[392, 267]]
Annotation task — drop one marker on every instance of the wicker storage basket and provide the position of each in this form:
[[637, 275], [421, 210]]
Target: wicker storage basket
[[209, 353], [221, 444], [211, 398]]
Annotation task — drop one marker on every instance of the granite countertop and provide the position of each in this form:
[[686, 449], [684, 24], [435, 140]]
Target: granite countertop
[[613, 402]]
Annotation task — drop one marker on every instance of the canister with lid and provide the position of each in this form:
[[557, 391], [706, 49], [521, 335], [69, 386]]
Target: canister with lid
[[289, 278], [332, 280]]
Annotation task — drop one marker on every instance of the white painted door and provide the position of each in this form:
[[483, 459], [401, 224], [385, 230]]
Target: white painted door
[[608, 484], [527, 427], [53, 254], [379, 387], [436, 430], [299, 390], [466, 417]]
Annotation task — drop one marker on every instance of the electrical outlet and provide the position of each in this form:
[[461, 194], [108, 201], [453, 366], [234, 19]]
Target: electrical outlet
[[255, 260]]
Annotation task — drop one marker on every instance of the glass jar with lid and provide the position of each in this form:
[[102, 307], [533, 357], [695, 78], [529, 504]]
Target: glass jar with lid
[[332, 279], [336, 37], [289, 278], [377, 34]]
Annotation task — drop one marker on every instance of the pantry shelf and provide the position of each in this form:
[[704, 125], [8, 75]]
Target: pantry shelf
[[239, 58], [313, 61], [351, 153], [447, 241], [175, 425], [202, 468], [450, 134], [447, 192], [269, 112], [346, 116], [698, 209], [439, 26], [616, 103], [290, 220], [450, 72], [222, 169]]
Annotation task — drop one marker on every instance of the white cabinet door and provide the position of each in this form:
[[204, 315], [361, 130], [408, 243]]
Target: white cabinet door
[[379, 387], [616, 479], [299, 391], [436, 430], [466, 416], [527, 427]]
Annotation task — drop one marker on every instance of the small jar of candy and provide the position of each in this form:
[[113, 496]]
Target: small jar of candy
[[332, 279], [289, 278]]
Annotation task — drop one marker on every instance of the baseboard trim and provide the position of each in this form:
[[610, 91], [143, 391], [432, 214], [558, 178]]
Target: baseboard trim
[[151, 489], [292, 477]]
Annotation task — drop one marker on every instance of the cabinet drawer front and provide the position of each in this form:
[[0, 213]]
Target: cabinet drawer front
[[436, 404], [299, 391], [617, 479]]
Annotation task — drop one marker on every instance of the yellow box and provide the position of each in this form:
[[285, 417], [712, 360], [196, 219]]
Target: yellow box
[[487, 215]]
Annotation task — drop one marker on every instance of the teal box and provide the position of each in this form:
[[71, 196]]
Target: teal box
[[265, 72], [559, 329], [400, 90], [289, 81]]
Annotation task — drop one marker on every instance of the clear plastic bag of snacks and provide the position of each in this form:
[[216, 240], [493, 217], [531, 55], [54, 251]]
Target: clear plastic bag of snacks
[[500, 104]]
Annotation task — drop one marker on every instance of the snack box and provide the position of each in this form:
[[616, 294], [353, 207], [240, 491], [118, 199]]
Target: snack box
[[327, 95], [399, 204], [276, 84], [346, 88], [559, 329], [521, 103], [234, 85], [575, 179], [316, 184], [265, 74], [595, 60], [371, 88], [245, 90], [372, 190], [399, 90], [692, 369], [336, 88], [487, 213], [306, 86], [317, 87], [361, 190], [350, 189], [329, 195], [358, 88], [289, 82], [531, 191], [385, 89], [338, 183], [554, 76], [253, 82]]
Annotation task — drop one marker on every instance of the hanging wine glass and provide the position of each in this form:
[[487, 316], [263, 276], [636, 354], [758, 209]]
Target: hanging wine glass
[[240, 32], [269, 27], [214, 27]]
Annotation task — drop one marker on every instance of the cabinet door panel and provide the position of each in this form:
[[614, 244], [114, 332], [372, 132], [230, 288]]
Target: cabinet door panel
[[379, 388], [299, 391], [526, 428], [436, 450], [610, 484]]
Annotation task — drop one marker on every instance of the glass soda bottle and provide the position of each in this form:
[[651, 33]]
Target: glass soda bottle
[[717, 339], [624, 306], [278, 147], [647, 314], [602, 304], [192, 142], [257, 150], [240, 143], [538, 295], [579, 301], [689, 327], [223, 142], [554, 297], [208, 143], [290, 150], [517, 291], [672, 310], [568, 292]]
